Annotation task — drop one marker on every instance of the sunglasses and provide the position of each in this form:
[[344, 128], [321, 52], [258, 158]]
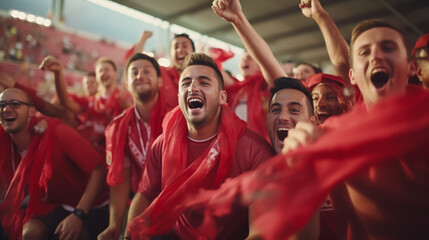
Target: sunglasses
[[14, 104]]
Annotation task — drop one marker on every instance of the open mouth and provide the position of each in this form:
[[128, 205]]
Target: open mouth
[[195, 103], [379, 78], [282, 133], [9, 119], [322, 117]]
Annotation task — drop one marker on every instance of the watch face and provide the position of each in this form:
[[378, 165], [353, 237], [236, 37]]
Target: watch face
[[79, 213]]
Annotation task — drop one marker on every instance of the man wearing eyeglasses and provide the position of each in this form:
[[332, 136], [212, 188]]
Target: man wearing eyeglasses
[[421, 55], [59, 172]]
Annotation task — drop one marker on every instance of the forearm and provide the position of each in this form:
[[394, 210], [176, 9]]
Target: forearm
[[336, 45], [93, 188], [63, 97], [258, 49], [119, 196], [137, 207]]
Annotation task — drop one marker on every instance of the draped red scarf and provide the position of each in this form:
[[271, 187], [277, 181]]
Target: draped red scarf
[[258, 96], [178, 179], [31, 177], [116, 135], [288, 194]]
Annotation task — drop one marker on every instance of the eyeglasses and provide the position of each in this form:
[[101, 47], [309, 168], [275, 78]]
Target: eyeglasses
[[14, 104]]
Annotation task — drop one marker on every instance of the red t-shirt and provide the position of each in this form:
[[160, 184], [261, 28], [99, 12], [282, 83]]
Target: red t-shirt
[[73, 159], [251, 151], [99, 112]]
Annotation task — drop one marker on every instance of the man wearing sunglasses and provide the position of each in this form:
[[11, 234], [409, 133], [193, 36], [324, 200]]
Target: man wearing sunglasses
[[421, 55], [59, 172]]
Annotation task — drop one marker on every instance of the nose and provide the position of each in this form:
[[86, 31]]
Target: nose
[[193, 87], [376, 54], [321, 102], [284, 115]]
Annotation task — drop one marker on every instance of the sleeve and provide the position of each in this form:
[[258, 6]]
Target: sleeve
[[78, 148], [150, 182], [261, 150]]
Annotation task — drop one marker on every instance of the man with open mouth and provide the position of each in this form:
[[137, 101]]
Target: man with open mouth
[[421, 55], [203, 143], [59, 173]]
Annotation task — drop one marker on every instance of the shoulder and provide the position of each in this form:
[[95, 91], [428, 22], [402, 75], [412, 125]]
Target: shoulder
[[253, 142]]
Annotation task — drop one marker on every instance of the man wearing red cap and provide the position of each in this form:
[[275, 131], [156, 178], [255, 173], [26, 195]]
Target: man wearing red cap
[[329, 96], [421, 55]]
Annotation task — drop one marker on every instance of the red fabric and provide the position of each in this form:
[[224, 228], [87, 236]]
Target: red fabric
[[31, 177], [99, 112], [35, 176], [208, 171], [220, 56], [129, 52], [170, 81], [421, 42], [288, 196], [315, 79], [116, 136], [258, 96]]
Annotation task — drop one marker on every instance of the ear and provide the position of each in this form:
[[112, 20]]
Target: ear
[[32, 111], [222, 97], [160, 82], [313, 120], [413, 68], [352, 77], [419, 73]]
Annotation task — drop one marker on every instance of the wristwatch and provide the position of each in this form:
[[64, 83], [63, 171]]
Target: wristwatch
[[79, 213]]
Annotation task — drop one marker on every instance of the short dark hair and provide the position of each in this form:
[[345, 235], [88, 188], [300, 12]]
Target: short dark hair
[[185, 36], [106, 60], [143, 56], [314, 67], [205, 60], [291, 83], [374, 23]]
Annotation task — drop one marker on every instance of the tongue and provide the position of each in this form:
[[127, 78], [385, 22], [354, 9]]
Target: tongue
[[379, 79], [282, 134]]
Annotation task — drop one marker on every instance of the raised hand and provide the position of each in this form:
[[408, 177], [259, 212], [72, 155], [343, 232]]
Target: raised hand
[[227, 9], [311, 8], [51, 63]]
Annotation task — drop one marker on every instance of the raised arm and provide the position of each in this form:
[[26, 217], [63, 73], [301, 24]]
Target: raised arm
[[52, 64], [335, 43], [231, 11], [139, 47], [43, 106]]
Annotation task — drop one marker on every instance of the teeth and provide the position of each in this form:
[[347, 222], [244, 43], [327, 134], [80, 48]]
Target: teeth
[[282, 129], [195, 100]]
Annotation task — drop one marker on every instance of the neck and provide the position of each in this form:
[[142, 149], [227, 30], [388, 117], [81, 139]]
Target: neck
[[144, 108], [106, 91], [21, 140], [203, 132]]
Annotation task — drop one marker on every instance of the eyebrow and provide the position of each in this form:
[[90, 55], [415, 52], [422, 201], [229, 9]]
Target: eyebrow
[[382, 42], [199, 77]]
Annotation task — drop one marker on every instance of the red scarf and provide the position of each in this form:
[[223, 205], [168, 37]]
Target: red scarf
[[178, 179], [117, 132], [31, 177], [258, 96], [288, 196]]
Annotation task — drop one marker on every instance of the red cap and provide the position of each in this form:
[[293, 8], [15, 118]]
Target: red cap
[[315, 79], [421, 42]]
